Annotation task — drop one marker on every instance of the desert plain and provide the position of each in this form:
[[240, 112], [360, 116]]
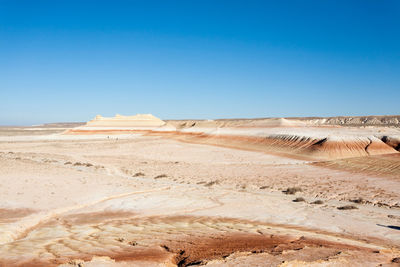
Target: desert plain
[[139, 191]]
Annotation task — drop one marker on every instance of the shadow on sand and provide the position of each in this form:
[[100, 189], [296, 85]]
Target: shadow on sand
[[390, 226]]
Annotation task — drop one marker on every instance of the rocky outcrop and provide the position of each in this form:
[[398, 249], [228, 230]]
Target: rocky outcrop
[[393, 121], [389, 121]]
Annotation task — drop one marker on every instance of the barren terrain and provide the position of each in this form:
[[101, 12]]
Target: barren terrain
[[271, 192]]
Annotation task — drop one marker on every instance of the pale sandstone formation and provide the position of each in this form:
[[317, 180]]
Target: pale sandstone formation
[[139, 120]]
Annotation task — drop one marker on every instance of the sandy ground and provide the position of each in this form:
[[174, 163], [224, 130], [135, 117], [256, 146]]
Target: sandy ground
[[164, 200]]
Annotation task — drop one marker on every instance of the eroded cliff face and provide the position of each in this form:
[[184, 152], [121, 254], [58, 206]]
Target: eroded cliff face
[[386, 121], [359, 121], [393, 141], [139, 120], [307, 138], [316, 137], [300, 146]]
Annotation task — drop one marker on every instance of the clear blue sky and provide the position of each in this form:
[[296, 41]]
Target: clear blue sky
[[70, 60]]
